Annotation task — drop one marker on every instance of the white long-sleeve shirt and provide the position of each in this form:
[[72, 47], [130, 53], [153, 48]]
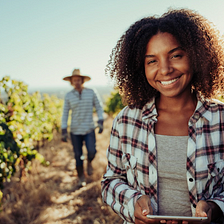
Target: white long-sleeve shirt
[[81, 106]]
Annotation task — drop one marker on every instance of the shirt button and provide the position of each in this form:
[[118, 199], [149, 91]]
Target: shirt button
[[191, 179]]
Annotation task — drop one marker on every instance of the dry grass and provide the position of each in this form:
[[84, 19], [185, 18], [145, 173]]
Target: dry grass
[[50, 194]]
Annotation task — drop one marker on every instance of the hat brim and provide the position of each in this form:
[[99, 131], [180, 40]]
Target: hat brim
[[85, 78]]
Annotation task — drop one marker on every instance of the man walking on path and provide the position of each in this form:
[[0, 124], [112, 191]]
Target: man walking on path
[[81, 102]]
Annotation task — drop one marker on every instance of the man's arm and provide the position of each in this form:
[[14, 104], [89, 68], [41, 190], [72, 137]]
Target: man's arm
[[99, 109], [64, 121]]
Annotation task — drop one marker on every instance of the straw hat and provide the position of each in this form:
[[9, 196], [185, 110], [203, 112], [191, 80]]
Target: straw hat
[[76, 73]]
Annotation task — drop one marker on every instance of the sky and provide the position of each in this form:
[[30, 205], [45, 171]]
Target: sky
[[42, 41]]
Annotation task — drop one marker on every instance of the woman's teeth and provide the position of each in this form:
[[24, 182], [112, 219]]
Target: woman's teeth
[[169, 82]]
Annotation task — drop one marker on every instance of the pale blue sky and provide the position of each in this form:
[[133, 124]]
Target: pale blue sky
[[42, 41]]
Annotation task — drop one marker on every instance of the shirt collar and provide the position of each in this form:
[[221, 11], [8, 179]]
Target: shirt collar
[[76, 91], [149, 110], [202, 110]]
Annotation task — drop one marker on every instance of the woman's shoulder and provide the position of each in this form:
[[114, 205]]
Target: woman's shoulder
[[214, 104], [128, 111], [213, 110], [136, 113]]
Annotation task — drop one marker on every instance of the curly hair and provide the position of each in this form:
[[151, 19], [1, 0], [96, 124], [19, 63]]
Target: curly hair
[[196, 35]]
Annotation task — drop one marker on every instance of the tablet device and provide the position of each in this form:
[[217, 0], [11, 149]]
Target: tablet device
[[180, 218]]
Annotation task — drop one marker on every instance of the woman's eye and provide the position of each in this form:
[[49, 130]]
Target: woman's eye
[[177, 56], [151, 62]]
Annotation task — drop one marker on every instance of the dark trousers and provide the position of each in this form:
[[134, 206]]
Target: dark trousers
[[90, 142]]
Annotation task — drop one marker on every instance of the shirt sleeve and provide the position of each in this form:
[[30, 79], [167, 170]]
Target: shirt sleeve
[[115, 190], [65, 114], [216, 171], [218, 195], [98, 105]]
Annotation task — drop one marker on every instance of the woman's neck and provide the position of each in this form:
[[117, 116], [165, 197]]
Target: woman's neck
[[174, 114], [186, 101]]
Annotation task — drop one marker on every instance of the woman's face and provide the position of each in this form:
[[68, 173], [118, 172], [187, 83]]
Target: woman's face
[[167, 66]]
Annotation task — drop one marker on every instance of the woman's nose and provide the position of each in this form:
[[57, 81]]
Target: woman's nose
[[165, 67]]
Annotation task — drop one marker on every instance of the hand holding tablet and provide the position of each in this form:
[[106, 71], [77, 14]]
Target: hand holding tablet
[[179, 218]]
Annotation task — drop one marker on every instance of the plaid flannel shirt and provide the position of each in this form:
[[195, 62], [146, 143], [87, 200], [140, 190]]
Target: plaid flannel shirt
[[132, 163]]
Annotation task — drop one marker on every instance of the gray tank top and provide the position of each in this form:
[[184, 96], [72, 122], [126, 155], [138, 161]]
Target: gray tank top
[[172, 181]]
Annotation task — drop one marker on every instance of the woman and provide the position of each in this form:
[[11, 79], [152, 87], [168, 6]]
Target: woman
[[166, 149]]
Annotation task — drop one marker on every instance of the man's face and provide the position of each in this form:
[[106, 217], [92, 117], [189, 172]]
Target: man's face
[[77, 82]]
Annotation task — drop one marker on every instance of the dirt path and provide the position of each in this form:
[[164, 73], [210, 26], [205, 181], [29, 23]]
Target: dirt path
[[50, 194]]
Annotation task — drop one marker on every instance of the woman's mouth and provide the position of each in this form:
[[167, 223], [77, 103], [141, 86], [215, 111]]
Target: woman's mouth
[[169, 82]]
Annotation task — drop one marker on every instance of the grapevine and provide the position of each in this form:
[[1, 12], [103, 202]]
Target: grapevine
[[114, 103], [25, 120]]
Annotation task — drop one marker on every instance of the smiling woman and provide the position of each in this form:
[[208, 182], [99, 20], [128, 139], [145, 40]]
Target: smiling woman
[[167, 66], [196, 36], [166, 148]]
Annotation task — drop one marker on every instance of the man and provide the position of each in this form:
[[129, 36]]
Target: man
[[81, 102]]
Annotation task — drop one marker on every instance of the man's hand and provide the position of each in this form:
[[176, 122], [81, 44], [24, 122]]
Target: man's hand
[[64, 135], [100, 125]]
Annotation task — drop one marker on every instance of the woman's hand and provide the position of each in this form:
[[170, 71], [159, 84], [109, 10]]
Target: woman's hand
[[143, 208], [203, 209]]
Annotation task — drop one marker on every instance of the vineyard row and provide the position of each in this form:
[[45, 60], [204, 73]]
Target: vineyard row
[[25, 121]]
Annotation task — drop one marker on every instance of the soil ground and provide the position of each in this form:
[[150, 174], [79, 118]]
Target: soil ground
[[50, 195]]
